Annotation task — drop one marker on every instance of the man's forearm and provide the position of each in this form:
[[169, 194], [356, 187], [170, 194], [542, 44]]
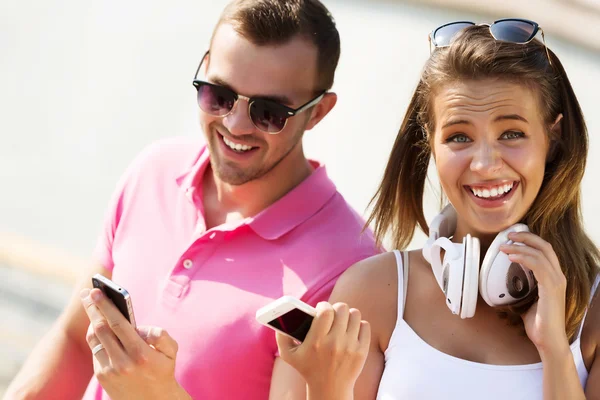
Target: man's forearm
[[58, 368]]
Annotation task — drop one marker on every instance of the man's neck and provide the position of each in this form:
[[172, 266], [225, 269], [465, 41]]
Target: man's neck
[[224, 202]]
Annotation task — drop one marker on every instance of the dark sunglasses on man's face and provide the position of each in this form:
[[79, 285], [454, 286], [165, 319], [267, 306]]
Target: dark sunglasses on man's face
[[514, 30], [266, 115]]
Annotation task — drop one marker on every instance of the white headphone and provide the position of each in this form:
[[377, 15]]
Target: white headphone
[[500, 281]]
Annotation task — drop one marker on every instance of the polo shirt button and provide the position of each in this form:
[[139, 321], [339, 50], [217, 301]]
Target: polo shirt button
[[187, 264]]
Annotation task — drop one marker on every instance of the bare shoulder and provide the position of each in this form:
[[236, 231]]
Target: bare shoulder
[[361, 281], [371, 286]]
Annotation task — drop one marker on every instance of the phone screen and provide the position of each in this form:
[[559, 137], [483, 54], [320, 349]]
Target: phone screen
[[295, 323]]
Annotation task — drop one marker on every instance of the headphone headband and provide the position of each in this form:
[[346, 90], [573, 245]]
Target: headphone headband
[[444, 224]]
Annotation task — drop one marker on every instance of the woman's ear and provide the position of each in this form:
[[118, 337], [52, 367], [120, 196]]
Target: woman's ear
[[556, 127], [555, 137]]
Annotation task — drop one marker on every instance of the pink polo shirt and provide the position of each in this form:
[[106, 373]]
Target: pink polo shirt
[[204, 286]]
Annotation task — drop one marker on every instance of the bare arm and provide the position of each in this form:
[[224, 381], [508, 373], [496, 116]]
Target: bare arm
[[590, 338], [366, 287], [592, 390], [61, 363], [286, 382], [560, 377], [545, 320]]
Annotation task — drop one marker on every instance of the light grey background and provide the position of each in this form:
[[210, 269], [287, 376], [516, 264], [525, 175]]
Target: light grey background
[[84, 86]]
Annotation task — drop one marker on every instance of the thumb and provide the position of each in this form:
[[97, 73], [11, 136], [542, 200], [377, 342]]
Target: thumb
[[286, 345], [159, 339]]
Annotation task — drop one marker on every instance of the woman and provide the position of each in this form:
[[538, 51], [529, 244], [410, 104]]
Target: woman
[[495, 111]]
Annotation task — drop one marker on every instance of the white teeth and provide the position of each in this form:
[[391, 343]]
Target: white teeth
[[236, 146], [492, 192]]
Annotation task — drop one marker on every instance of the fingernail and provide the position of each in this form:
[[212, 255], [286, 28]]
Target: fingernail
[[84, 293], [143, 332], [96, 295]]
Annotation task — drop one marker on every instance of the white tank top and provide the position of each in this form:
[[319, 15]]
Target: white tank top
[[416, 370]]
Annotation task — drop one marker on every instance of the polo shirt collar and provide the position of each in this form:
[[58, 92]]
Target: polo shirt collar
[[191, 177], [297, 206]]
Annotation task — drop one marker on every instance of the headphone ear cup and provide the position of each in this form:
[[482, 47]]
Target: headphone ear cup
[[501, 281], [452, 280], [471, 277]]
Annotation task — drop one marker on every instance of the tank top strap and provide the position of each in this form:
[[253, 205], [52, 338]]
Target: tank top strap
[[402, 266], [592, 293]]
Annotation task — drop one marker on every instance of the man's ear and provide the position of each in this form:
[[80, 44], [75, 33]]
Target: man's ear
[[322, 109], [555, 136]]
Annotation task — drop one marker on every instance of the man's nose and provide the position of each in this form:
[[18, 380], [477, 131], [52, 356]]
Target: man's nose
[[238, 121]]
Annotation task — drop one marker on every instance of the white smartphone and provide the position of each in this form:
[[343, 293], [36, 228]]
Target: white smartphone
[[287, 315], [119, 296]]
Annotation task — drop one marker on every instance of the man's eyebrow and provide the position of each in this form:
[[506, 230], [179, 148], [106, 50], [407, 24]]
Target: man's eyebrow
[[218, 81], [512, 117], [278, 99]]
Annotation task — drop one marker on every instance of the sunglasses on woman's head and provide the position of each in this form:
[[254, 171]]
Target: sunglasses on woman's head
[[514, 30], [266, 115]]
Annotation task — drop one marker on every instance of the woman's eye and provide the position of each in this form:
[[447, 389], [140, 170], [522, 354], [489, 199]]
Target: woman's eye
[[460, 138], [512, 135]]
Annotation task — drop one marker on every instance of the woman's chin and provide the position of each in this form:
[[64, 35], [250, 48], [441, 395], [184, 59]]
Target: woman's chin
[[491, 223]]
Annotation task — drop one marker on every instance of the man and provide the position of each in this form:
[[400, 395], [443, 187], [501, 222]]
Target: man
[[202, 234]]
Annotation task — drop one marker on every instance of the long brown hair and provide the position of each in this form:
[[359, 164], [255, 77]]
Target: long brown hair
[[555, 215]]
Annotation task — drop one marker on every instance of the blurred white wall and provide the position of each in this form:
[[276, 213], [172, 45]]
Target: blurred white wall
[[84, 85]]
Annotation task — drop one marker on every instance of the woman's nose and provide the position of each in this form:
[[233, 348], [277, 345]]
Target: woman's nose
[[486, 159]]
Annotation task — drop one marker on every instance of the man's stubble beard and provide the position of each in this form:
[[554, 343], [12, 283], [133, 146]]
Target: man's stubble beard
[[230, 173]]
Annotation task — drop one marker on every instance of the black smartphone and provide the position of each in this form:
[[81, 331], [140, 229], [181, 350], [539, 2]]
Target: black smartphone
[[118, 295]]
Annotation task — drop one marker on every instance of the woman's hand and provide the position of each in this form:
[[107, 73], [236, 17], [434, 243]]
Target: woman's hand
[[545, 320], [129, 363], [334, 352]]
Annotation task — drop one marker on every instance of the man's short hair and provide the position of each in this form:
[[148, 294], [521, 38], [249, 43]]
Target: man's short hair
[[273, 22]]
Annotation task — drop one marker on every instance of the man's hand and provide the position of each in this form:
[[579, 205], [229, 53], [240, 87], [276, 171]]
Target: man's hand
[[129, 363]]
